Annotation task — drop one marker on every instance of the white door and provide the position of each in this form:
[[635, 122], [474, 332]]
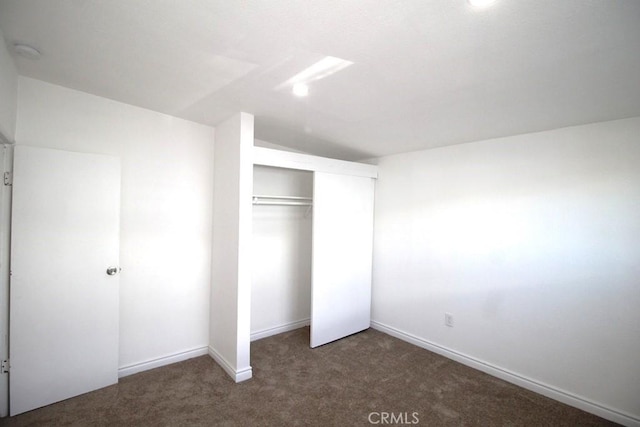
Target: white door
[[342, 253], [63, 306]]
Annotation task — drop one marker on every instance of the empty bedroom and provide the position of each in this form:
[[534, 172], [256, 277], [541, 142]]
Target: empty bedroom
[[326, 213]]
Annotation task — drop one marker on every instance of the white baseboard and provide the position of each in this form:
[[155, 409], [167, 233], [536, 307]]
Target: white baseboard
[[237, 376], [514, 378], [264, 333], [161, 361]]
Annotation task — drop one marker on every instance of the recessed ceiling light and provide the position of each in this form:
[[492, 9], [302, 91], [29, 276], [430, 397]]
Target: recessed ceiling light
[[26, 51], [300, 89], [481, 3]]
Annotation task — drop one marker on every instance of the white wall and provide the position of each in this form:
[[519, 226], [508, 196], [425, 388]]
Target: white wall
[[281, 257], [229, 342], [8, 93], [532, 242], [166, 210]]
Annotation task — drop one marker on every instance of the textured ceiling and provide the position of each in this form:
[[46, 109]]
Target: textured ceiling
[[425, 73]]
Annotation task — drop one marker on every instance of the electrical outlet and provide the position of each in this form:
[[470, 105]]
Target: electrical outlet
[[448, 320]]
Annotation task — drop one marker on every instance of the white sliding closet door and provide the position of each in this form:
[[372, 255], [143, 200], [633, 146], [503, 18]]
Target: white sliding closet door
[[342, 253], [64, 300]]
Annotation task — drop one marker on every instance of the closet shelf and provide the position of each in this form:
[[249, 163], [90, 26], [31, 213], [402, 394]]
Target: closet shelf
[[282, 200]]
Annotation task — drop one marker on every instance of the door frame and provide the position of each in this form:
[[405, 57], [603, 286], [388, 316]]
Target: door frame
[[6, 163]]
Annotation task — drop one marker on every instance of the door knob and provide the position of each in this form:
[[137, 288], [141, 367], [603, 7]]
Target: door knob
[[111, 271]]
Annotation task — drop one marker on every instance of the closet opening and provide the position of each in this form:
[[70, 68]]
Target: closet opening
[[281, 250]]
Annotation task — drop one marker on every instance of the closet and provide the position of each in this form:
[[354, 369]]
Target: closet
[[325, 223], [303, 219], [281, 250]]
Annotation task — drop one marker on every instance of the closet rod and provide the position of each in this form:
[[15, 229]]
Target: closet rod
[[257, 196], [274, 203]]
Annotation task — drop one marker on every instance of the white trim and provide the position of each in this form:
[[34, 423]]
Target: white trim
[[264, 333], [6, 165], [286, 159], [244, 374], [161, 361], [514, 378], [237, 376]]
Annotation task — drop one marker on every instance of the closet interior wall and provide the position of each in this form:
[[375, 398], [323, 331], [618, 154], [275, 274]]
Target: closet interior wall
[[281, 258]]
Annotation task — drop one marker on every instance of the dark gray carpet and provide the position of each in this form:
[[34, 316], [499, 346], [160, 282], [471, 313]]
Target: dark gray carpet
[[339, 384]]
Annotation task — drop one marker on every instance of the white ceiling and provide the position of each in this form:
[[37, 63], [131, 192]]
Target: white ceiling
[[425, 73]]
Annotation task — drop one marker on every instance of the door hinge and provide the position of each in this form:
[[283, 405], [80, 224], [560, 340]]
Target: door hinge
[[5, 367], [8, 178]]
